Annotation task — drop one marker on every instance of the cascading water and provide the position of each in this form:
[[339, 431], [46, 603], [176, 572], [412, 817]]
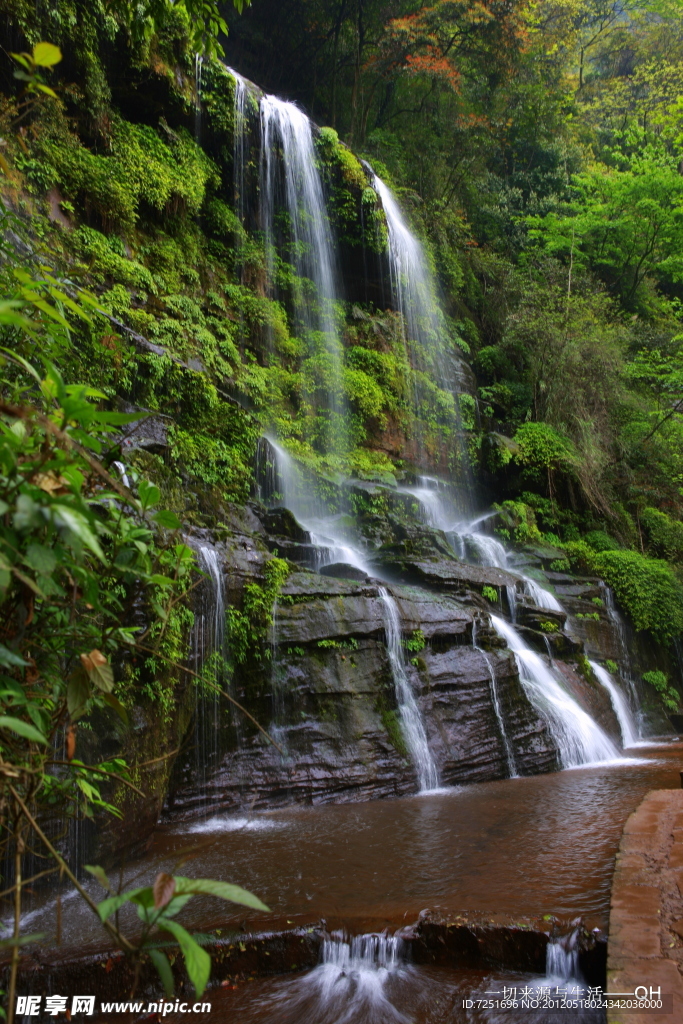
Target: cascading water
[[287, 486], [619, 627], [627, 722], [198, 66], [285, 480], [413, 289], [293, 181], [509, 753], [239, 145], [207, 653], [578, 738], [411, 720]]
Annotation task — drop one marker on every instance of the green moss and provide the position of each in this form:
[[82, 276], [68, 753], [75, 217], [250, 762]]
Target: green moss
[[668, 694], [162, 171], [520, 520], [248, 626], [601, 541], [392, 723], [646, 588]]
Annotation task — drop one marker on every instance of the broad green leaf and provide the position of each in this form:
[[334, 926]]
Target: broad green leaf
[[197, 960], [99, 873], [46, 89], [160, 961], [99, 670], [46, 55], [161, 581], [40, 558], [149, 494], [77, 692], [8, 657], [117, 706], [109, 906], [21, 728], [75, 522], [224, 890], [169, 520]]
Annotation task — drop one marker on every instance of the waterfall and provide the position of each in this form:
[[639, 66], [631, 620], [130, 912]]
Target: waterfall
[[619, 627], [356, 980], [239, 145], [509, 753], [198, 67], [121, 469], [284, 483], [578, 738], [295, 181], [207, 650], [413, 288], [562, 962], [627, 723], [411, 720]]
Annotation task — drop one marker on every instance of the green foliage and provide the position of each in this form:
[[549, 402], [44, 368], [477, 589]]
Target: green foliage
[[248, 625], [601, 541], [520, 519], [549, 627], [414, 643], [668, 693], [611, 667], [157, 905], [665, 535], [560, 565], [646, 588], [543, 448], [165, 173], [490, 594]]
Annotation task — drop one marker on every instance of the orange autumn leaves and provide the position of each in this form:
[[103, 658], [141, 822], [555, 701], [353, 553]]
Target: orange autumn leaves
[[433, 41]]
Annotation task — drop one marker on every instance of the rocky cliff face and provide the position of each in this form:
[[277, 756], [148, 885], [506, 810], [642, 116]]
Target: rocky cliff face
[[324, 689]]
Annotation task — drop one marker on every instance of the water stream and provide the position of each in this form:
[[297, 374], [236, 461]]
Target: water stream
[[411, 719], [290, 180], [509, 753], [331, 542], [578, 738], [627, 722], [413, 289]]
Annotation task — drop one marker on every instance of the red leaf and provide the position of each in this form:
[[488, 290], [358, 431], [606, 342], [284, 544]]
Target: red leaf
[[164, 887]]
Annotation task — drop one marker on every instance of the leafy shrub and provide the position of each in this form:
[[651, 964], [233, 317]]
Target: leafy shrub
[[521, 520], [544, 448], [560, 565], [490, 593], [646, 588], [669, 694], [601, 541], [664, 533], [549, 627]]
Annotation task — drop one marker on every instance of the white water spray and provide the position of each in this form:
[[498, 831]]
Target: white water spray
[[578, 738], [288, 165], [509, 753], [411, 720], [627, 723], [412, 285]]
